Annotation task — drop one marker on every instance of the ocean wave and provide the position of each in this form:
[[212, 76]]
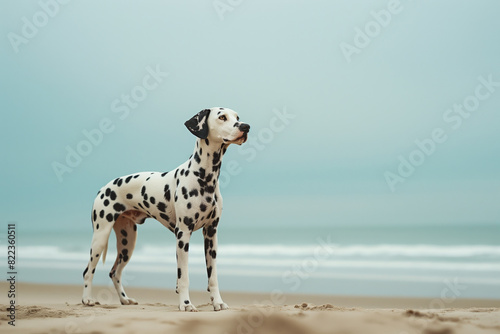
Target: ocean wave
[[289, 251]]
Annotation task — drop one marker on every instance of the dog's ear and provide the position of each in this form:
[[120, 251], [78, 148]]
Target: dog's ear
[[198, 124]]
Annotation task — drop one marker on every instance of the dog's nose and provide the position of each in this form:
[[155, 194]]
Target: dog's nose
[[244, 127]]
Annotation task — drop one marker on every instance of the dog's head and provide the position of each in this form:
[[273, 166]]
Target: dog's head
[[219, 125]]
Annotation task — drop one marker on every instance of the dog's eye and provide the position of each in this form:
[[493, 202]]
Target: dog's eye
[[237, 118], [223, 118]]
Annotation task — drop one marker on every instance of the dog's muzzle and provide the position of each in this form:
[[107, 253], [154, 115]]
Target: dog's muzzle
[[245, 128]]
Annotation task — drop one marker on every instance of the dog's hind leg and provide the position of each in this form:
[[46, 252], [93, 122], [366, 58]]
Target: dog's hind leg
[[126, 235], [102, 229]]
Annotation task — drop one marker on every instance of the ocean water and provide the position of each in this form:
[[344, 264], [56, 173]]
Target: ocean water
[[438, 262]]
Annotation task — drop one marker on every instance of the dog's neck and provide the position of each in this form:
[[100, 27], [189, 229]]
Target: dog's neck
[[208, 155]]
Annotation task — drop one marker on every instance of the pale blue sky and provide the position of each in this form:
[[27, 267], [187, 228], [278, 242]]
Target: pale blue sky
[[352, 120]]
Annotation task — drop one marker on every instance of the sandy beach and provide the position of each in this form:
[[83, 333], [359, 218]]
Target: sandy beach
[[57, 309]]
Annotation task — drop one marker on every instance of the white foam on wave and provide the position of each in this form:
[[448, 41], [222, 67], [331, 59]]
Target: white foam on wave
[[332, 250], [395, 257]]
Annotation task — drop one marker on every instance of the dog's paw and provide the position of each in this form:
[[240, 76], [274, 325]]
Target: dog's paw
[[220, 306], [128, 301], [187, 307], [89, 302]]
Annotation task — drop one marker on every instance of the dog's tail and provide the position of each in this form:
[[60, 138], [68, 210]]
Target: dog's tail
[[104, 252]]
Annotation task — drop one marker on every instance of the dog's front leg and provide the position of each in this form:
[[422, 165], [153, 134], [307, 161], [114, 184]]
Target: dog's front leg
[[183, 234], [210, 236]]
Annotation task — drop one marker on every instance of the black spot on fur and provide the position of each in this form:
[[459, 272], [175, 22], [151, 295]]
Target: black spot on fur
[[203, 207], [127, 180], [123, 294], [175, 175], [109, 217], [162, 207], [95, 215], [193, 192], [186, 302], [93, 271], [211, 231], [186, 247], [163, 174], [97, 227], [189, 205], [135, 227], [119, 207], [101, 214], [206, 245], [167, 193], [197, 157], [164, 216], [181, 244], [152, 200], [119, 183], [112, 195], [146, 204], [179, 273], [209, 271], [106, 202], [130, 196], [108, 191], [116, 216], [124, 233], [179, 234], [202, 173], [216, 158], [85, 271], [143, 190]]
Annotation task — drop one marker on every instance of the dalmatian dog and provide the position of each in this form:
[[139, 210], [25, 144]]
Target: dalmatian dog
[[183, 200]]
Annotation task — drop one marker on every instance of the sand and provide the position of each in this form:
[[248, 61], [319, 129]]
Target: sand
[[57, 309]]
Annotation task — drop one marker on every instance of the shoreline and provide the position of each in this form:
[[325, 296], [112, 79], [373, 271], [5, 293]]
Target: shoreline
[[43, 308]]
